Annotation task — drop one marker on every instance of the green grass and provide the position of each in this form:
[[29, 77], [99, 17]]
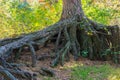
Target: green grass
[[101, 72], [87, 72]]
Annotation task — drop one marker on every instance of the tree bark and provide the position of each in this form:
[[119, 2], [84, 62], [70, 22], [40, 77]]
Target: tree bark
[[72, 8]]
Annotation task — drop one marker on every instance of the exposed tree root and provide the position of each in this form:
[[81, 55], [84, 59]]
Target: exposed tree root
[[8, 71], [79, 37], [39, 37], [6, 74], [47, 72], [7, 46]]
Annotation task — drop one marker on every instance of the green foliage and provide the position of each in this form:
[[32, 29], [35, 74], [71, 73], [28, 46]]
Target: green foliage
[[103, 72], [84, 53], [99, 12], [20, 17], [114, 53]]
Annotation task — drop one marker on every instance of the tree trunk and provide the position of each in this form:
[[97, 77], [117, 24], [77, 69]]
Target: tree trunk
[[71, 8], [75, 33]]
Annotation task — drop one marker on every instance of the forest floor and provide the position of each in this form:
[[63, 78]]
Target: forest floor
[[83, 69]]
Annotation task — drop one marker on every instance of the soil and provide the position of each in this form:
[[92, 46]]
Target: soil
[[61, 72]]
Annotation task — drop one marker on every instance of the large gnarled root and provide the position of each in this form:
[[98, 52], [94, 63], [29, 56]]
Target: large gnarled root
[[77, 36], [7, 46], [94, 40], [8, 71], [70, 45]]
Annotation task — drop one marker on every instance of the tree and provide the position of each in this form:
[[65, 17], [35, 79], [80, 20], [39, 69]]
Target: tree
[[74, 32]]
